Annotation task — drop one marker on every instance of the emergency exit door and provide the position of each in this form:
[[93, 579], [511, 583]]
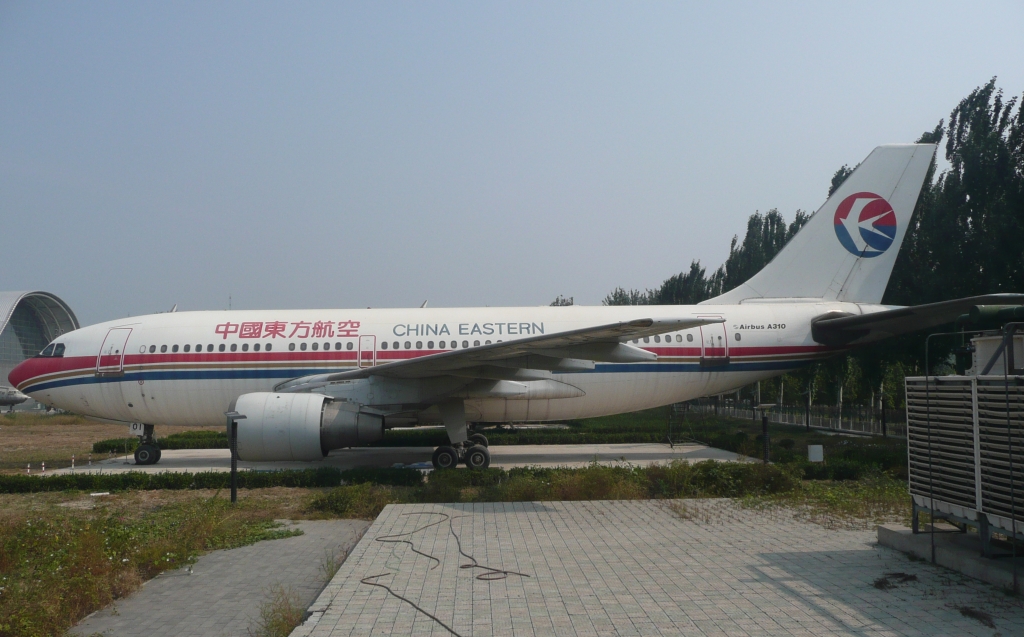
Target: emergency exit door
[[367, 351], [111, 357], [714, 344]]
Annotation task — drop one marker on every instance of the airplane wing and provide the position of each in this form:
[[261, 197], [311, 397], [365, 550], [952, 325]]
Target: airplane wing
[[858, 329], [561, 351]]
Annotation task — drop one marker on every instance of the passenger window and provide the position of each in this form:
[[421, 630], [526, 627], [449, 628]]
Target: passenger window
[[267, 348], [174, 348], [152, 349], [234, 347], [47, 351], [163, 349], [430, 344], [465, 343], [647, 340], [302, 346], [689, 338], [349, 346], [58, 351], [487, 342], [255, 347], [245, 347], [383, 344], [327, 346], [476, 343], [209, 347], [199, 348], [419, 344], [657, 339], [188, 348], [679, 338], [316, 346], [395, 345], [291, 347], [737, 336], [337, 345], [220, 348]]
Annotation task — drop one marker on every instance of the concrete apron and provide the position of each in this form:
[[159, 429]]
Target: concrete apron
[[958, 551]]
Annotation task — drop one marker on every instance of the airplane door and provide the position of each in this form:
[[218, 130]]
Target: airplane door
[[367, 351], [111, 357], [714, 344]]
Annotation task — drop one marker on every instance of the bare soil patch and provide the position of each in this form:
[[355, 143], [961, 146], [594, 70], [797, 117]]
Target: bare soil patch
[[38, 438]]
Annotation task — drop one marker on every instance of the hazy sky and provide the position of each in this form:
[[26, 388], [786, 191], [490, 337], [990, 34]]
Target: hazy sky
[[379, 154]]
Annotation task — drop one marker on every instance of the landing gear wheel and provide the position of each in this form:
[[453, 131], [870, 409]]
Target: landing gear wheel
[[159, 452], [478, 439], [146, 454], [478, 457], [445, 457]]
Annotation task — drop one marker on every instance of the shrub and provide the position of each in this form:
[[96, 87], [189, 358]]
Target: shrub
[[364, 501], [320, 477]]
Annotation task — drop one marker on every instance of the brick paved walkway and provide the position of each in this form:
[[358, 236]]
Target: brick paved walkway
[[223, 594], [637, 568]]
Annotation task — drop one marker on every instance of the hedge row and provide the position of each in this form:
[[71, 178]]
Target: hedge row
[[137, 480], [183, 440], [431, 438]]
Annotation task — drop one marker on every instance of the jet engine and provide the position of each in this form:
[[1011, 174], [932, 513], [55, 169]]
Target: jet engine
[[300, 426]]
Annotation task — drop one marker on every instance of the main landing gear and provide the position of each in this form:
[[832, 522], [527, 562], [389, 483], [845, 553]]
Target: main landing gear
[[464, 448], [148, 452]]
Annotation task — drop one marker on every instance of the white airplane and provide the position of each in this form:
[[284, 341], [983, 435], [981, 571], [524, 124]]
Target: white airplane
[[309, 381]]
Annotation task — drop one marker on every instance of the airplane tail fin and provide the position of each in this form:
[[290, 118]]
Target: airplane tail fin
[[846, 250]]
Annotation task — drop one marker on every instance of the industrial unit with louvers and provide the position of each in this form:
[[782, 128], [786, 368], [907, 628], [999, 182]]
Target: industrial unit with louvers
[[965, 437]]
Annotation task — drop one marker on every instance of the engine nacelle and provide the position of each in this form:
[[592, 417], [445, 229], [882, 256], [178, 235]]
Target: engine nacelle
[[300, 426]]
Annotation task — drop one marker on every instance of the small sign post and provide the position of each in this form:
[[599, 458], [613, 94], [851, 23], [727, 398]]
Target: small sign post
[[233, 418]]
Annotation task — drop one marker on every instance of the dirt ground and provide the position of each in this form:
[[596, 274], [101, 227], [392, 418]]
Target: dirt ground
[[54, 439]]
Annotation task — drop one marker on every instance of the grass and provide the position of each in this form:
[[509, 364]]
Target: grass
[[847, 504], [34, 438], [65, 554], [279, 614], [59, 563]]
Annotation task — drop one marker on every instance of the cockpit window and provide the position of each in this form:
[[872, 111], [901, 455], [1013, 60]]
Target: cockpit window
[[47, 351], [58, 350]]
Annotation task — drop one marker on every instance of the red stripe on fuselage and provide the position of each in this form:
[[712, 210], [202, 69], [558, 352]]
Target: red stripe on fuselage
[[35, 367]]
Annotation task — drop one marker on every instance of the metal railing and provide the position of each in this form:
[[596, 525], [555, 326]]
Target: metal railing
[[854, 419]]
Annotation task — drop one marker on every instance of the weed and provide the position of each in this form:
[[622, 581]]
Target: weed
[[845, 504], [279, 615], [58, 565], [979, 615], [330, 562], [890, 580], [364, 501]]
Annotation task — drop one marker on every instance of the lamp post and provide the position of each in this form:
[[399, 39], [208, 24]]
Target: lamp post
[[233, 418]]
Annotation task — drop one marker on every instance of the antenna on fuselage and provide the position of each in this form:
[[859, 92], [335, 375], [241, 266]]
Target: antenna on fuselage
[[424, 303]]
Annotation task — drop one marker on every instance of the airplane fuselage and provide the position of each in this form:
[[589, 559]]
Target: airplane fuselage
[[187, 368]]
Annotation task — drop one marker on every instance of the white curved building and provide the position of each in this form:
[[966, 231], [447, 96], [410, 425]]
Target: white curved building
[[28, 321]]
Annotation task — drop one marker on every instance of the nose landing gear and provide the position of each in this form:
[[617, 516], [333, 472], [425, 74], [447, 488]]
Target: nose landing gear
[[148, 452]]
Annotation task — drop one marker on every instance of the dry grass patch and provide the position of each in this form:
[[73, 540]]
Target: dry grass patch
[[37, 438], [860, 504], [63, 556]]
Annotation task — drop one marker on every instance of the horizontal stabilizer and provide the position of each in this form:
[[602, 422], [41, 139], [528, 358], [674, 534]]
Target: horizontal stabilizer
[[856, 329]]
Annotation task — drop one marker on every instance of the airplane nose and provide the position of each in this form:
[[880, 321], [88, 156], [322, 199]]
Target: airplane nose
[[23, 371]]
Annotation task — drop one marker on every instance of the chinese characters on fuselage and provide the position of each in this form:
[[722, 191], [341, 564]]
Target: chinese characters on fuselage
[[292, 329]]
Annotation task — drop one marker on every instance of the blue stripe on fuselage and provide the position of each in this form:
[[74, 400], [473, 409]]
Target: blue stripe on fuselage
[[287, 374]]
